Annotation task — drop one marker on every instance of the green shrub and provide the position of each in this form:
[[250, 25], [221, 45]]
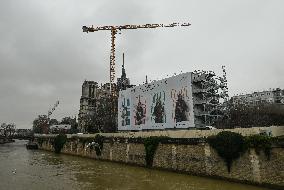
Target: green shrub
[[229, 146], [99, 140], [59, 142], [260, 142], [40, 141], [151, 145]]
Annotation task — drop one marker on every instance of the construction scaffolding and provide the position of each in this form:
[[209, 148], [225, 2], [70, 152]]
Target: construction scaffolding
[[210, 93]]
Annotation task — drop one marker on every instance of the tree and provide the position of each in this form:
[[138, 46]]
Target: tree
[[106, 115], [66, 120], [53, 122], [74, 127], [72, 122], [40, 124], [91, 126], [243, 115], [3, 129], [7, 130]]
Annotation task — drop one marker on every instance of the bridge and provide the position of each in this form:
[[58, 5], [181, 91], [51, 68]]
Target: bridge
[[22, 137], [11, 138]]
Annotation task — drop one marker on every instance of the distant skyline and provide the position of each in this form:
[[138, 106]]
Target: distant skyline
[[45, 56]]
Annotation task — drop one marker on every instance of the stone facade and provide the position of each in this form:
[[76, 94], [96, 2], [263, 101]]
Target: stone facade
[[196, 159], [263, 97], [92, 95], [87, 104]]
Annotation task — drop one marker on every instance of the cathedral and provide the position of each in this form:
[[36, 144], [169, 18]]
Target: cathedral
[[93, 95]]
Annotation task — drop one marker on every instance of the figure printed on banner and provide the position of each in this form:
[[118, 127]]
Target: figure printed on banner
[[140, 110], [181, 109], [125, 112], [158, 108]]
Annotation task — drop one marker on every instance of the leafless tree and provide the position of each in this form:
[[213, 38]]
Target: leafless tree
[[7, 130]]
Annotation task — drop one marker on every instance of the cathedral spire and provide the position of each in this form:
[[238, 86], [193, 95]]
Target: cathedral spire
[[123, 82], [123, 74], [146, 82]]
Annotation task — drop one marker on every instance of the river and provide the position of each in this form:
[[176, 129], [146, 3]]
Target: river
[[41, 170]]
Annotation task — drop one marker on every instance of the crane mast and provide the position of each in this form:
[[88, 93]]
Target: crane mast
[[114, 30], [49, 113]]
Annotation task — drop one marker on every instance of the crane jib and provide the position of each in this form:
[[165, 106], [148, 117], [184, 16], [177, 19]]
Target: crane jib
[[114, 29]]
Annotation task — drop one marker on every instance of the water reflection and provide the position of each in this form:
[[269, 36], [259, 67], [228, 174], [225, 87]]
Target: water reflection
[[46, 170]]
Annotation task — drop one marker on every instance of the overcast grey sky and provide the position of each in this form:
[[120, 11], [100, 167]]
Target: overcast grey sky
[[45, 56]]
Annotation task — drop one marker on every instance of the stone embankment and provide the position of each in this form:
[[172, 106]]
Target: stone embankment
[[187, 155]]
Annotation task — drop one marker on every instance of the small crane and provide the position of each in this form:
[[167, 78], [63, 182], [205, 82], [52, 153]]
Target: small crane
[[52, 109], [49, 113], [114, 30]]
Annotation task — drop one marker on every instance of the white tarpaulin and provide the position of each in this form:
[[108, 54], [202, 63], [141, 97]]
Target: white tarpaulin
[[158, 105]]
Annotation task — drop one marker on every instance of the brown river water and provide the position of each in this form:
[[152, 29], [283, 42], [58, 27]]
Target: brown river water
[[41, 170]]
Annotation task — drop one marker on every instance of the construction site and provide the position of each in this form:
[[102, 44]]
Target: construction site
[[186, 101]]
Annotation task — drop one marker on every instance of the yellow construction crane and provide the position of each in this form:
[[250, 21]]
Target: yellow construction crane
[[49, 113], [114, 30]]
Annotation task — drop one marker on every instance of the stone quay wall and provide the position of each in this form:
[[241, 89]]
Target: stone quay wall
[[193, 156]]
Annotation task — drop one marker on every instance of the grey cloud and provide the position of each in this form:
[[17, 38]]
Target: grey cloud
[[45, 56]]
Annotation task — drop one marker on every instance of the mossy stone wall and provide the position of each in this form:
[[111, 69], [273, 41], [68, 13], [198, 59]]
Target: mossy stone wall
[[192, 158]]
